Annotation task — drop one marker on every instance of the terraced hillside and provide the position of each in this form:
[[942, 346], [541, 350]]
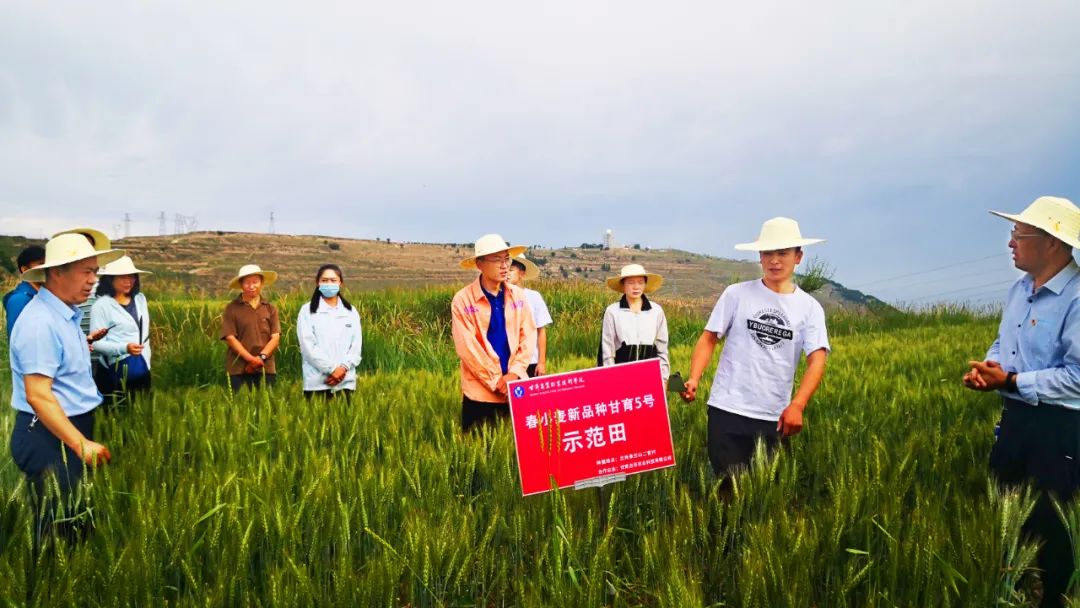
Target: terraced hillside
[[206, 261]]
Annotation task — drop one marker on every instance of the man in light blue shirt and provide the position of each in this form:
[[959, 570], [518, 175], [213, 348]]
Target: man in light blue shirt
[[1035, 365], [52, 390]]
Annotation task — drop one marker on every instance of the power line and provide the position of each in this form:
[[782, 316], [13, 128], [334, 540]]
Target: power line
[[998, 284], [942, 280], [997, 295], [917, 273]]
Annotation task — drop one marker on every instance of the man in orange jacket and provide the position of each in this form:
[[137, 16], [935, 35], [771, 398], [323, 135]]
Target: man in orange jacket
[[494, 332]]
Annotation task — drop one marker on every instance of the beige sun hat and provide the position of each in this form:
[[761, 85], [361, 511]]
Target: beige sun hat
[[653, 281], [1059, 217], [121, 267], [101, 242], [268, 276], [65, 249], [531, 269], [489, 244], [778, 233]]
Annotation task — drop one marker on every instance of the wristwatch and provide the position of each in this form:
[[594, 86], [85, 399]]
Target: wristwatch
[[1010, 382], [263, 356]]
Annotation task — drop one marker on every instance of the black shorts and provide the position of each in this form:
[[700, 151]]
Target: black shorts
[[732, 438]]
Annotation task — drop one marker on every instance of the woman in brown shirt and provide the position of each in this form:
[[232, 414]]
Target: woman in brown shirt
[[251, 329]]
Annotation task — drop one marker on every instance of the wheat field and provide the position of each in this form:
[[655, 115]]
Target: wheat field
[[265, 499]]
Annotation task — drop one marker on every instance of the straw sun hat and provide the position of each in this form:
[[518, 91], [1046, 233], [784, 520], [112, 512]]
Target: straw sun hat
[[65, 249], [652, 281], [268, 276], [121, 267], [489, 244], [101, 242], [531, 269], [1057, 216], [778, 233]]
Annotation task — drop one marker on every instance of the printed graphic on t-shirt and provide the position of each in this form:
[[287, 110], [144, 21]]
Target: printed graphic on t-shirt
[[769, 327]]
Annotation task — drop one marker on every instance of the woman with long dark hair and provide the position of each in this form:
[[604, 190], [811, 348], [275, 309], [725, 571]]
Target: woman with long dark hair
[[330, 338], [120, 308]]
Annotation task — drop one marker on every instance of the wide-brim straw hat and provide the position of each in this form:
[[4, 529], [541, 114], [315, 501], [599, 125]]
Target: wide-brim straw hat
[[121, 267], [268, 276], [489, 244], [101, 242], [778, 233], [531, 269], [65, 249], [653, 281], [1059, 217]]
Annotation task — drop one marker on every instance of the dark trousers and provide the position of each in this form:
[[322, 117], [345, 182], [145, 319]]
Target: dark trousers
[[42, 457], [1041, 445], [131, 388], [476, 413], [531, 370], [252, 381], [732, 438], [327, 395]]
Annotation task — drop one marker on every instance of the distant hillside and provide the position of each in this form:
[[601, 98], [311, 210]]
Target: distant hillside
[[208, 260]]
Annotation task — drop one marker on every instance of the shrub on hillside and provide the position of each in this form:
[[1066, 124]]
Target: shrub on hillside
[[816, 273]]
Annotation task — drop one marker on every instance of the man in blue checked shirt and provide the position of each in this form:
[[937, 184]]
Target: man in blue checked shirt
[[1035, 365], [52, 390]]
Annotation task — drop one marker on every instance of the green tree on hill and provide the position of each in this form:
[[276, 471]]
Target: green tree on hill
[[816, 273]]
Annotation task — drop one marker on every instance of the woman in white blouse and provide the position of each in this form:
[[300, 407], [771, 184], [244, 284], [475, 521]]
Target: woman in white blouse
[[330, 338], [635, 328]]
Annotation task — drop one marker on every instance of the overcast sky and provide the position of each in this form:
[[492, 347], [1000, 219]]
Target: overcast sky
[[889, 131]]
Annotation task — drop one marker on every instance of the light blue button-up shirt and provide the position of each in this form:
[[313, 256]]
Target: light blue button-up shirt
[[1039, 339], [47, 340]]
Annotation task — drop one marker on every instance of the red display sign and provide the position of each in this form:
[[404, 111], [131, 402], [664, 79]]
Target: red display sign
[[592, 423]]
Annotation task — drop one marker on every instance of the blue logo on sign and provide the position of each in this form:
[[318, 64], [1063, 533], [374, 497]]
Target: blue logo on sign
[[519, 391]]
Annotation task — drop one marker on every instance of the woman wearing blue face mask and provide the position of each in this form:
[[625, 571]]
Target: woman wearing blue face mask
[[330, 339]]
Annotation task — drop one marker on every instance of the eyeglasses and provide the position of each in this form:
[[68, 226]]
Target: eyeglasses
[[1017, 236], [499, 261]]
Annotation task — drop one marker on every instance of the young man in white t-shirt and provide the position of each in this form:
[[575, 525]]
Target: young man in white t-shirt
[[768, 325], [522, 268]]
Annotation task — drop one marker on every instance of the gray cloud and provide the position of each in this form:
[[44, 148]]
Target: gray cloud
[[888, 129]]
